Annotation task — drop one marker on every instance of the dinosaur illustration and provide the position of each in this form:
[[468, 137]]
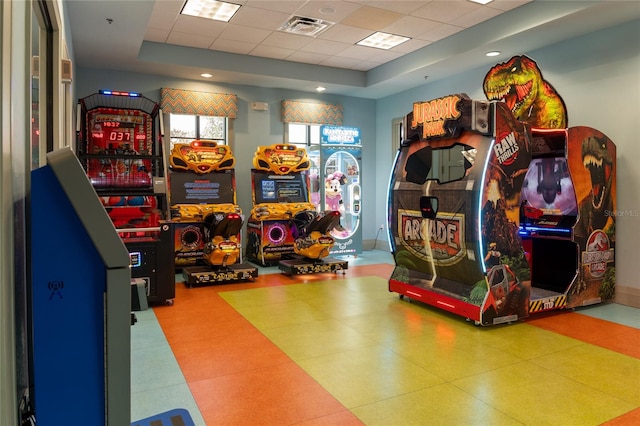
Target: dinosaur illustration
[[593, 209], [519, 83]]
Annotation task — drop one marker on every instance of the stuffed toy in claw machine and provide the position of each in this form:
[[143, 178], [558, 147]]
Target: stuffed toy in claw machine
[[333, 191]]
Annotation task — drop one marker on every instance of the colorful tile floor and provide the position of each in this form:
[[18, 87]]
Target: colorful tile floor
[[339, 349]]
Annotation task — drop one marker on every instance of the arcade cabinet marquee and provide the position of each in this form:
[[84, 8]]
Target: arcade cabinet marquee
[[493, 220]]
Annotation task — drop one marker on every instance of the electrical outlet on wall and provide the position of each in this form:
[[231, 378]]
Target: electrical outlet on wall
[[381, 226]]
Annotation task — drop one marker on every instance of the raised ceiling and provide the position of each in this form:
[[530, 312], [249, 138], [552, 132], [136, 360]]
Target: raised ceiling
[[447, 37]]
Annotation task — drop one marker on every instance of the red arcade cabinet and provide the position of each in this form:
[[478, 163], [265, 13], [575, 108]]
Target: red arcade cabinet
[[493, 221], [120, 148]]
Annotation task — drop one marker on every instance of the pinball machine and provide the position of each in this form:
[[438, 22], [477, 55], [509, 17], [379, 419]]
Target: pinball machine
[[493, 220], [120, 148]]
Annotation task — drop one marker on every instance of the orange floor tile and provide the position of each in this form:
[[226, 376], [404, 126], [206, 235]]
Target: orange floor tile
[[239, 376]]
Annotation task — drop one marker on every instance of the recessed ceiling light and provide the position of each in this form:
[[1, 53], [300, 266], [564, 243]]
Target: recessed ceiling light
[[206, 75], [492, 53], [320, 89], [381, 40], [210, 9], [481, 1]]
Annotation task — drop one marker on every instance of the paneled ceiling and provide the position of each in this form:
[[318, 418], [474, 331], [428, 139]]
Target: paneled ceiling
[[446, 37]]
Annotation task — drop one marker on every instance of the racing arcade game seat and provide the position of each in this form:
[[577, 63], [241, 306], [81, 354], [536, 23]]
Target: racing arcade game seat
[[285, 227], [207, 217]]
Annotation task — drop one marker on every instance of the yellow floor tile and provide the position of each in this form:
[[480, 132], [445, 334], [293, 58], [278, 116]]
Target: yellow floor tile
[[442, 404], [317, 338], [367, 374], [535, 395], [608, 371]]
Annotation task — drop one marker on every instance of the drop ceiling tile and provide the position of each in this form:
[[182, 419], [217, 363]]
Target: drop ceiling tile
[[164, 13], [404, 7], [271, 52], [365, 66], [445, 11], [345, 34], [244, 33], [286, 6], [325, 47], [359, 52], [410, 45], [259, 18], [156, 34], [232, 46], [340, 62], [386, 56], [371, 18], [198, 26], [286, 40], [475, 17], [410, 26], [441, 32], [318, 9], [189, 40], [507, 4], [307, 57]]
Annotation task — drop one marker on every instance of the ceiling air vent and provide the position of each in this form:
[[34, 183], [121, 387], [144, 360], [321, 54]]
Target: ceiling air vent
[[305, 26]]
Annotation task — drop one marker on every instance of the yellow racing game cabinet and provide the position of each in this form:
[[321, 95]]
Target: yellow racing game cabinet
[[208, 221], [285, 228]]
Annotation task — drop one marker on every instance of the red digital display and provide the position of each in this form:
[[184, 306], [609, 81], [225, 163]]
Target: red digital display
[[120, 136]]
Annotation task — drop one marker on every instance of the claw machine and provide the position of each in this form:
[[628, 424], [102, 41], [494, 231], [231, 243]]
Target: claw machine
[[336, 183]]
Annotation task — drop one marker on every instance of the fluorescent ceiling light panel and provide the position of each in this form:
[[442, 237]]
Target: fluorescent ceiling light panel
[[384, 41], [481, 1], [210, 9]]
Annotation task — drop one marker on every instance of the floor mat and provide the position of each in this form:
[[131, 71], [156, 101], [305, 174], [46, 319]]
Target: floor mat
[[177, 417]]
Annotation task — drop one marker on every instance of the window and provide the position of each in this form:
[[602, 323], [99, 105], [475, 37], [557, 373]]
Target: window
[[186, 128], [302, 134]]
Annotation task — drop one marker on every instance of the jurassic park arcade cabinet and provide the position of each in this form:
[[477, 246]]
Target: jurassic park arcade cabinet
[[466, 234], [285, 228], [567, 219], [208, 220]]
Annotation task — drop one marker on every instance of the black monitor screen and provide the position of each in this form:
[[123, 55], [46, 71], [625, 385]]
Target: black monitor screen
[[271, 188], [210, 188]]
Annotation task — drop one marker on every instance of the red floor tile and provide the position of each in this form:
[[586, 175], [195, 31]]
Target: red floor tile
[[632, 418], [278, 395], [236, 375], [616, 337]]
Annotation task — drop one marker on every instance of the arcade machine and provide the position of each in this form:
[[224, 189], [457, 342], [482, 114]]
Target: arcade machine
[[467, 234], [284, 227], [80, 301], [567, 222], [120, 147], [208, 220], [336, 183]]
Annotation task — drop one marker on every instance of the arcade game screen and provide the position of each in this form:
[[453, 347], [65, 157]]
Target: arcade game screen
[[270, 188], [211, 188], [119, 133], [548, 187]]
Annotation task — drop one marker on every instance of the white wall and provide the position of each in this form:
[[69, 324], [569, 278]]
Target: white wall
[[598, 76]]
